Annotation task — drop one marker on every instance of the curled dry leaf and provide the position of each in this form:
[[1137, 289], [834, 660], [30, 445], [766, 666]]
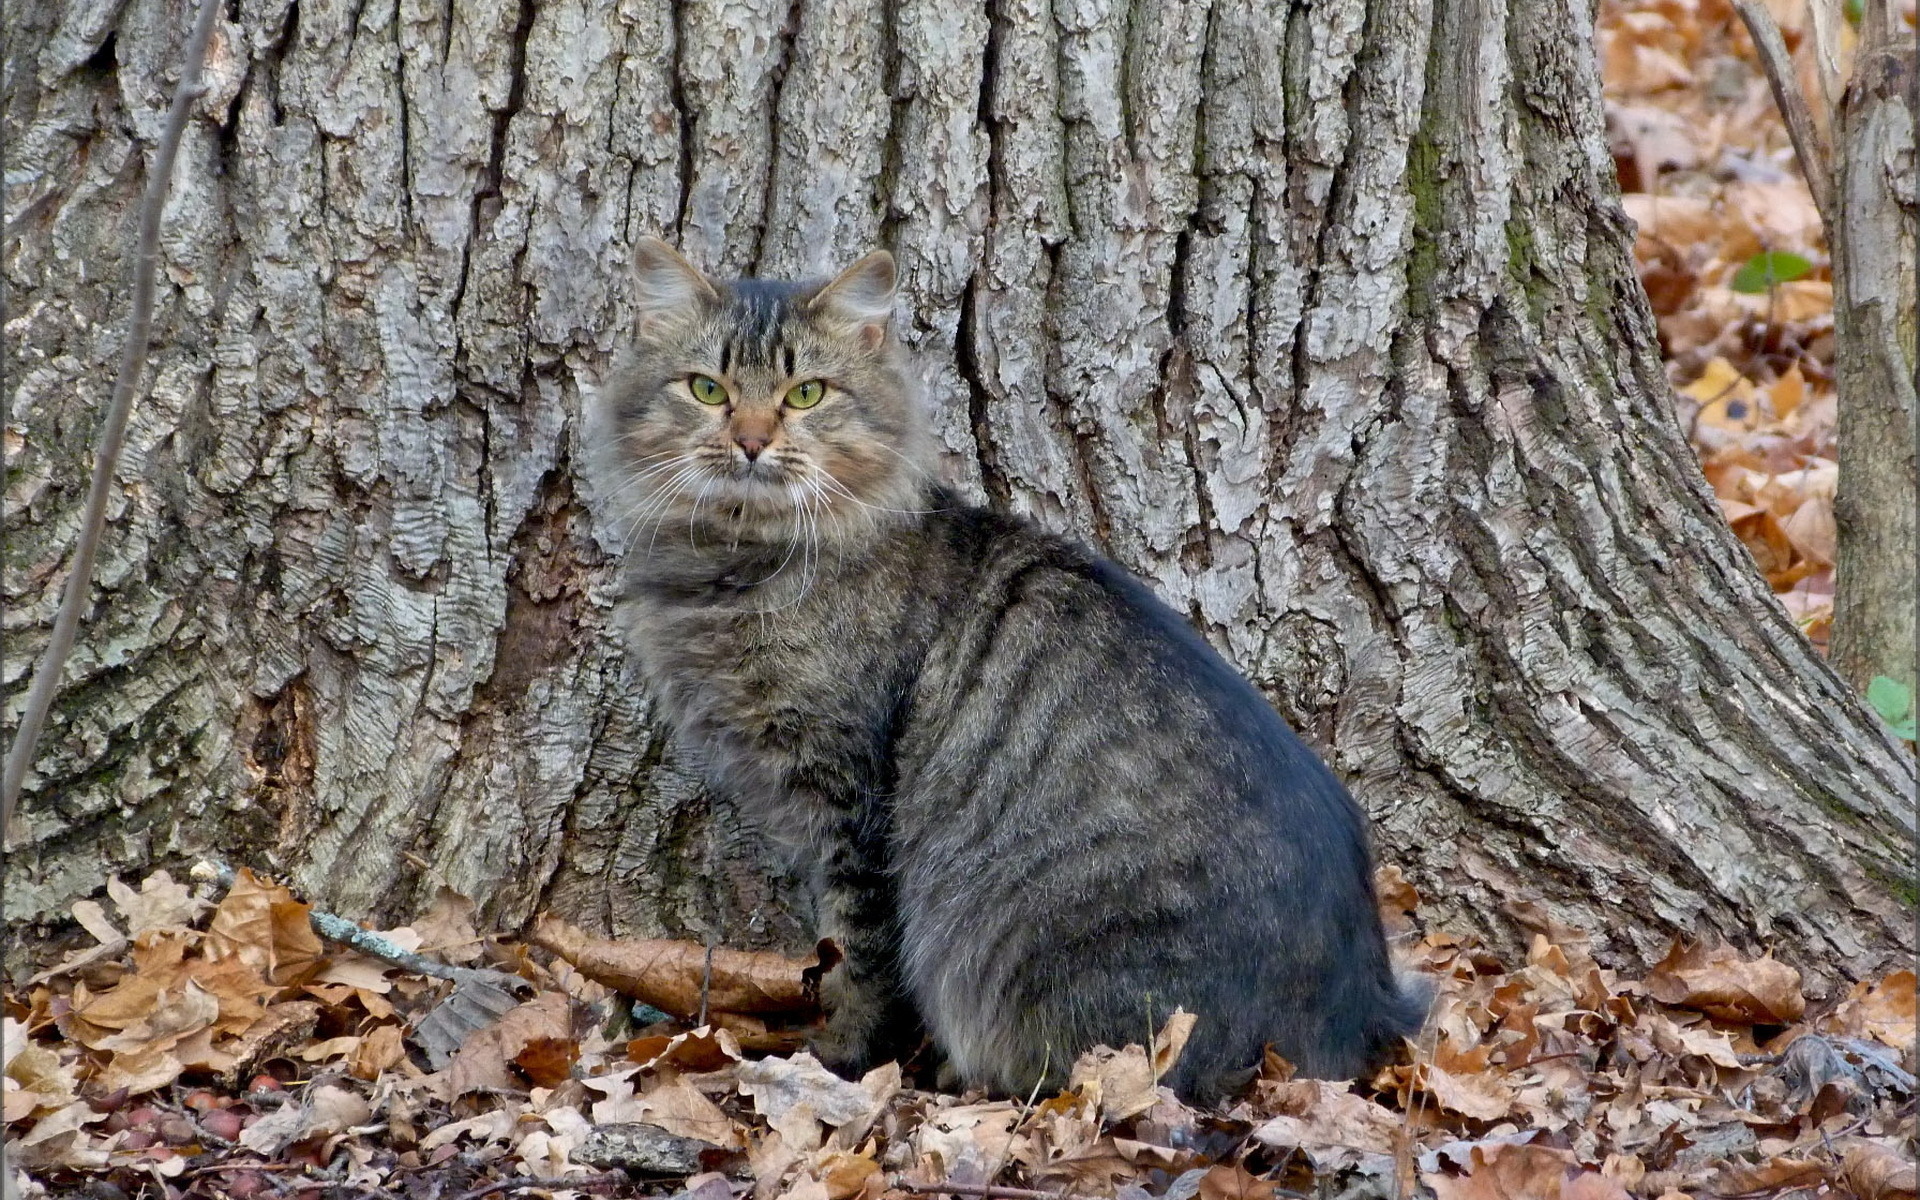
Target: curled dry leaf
[[1325, 1121], [1507, 1171], [1874, 1171], [669, 974], [266, 928], [702, 1049], [1125, 1083], [1885, 1011], [796, 1095], [482, 1061], [1719, 982]]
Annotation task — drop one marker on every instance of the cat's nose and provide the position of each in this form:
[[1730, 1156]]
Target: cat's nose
[[750, 444]]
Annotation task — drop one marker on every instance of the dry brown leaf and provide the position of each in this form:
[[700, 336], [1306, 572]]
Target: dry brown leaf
[[381, 1048], [681, 1109], [849, 1176], [1522, 1172], [482, 1061], [548, 1061], [1125, 1083], [668, 974], [1718, 981], [1885, 1010], [446, 929], [702, 1049], [264, 926], [38, 1081], [1231, 1181], [1334, 1128], [1875, 1171], [1777, 1173], [795, 1095], [159, 904]]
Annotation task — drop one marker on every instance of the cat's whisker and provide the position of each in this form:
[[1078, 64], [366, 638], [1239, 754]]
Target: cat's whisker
[[834, 482], [693, 513], [639, 481]]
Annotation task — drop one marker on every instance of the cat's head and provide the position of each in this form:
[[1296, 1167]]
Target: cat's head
[[761, 407]]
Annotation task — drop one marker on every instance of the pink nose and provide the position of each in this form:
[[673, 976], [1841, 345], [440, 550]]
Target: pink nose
[[750, 445]]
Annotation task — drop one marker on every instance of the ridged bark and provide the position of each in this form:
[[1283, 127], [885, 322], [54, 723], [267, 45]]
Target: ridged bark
[[1875, 232], [1321, 317]]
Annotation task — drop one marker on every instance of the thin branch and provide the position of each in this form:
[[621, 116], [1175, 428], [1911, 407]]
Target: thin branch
[[133, 362], [987, 1191], [608, 1179], [1808, 146]]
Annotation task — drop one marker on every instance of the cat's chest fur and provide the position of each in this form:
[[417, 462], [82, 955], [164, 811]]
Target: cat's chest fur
[[783, 692]]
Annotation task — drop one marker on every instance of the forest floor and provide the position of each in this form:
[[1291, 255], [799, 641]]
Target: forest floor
[[209, 1043], [1734, 259]]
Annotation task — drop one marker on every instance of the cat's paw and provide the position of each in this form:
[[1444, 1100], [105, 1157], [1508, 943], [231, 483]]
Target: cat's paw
[[843, 1051]]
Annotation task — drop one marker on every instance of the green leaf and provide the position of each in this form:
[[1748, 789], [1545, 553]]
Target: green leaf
[[1765, 269], [1890, 698], [1905, 729], [1856, 12]]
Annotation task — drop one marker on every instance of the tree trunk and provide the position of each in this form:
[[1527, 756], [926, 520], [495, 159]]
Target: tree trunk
[[1320, 317], [1874, 222]]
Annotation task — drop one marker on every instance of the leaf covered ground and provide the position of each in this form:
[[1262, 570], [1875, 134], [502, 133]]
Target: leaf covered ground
[[209, 1044], [1734, 259]]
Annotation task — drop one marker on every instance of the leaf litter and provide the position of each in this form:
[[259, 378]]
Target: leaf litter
[[220, 1049], [1734, 258]]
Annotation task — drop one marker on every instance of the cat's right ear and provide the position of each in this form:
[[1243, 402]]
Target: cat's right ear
[[666, 285]]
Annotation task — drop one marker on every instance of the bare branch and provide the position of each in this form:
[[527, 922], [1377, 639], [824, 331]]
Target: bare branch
[[133, 362], [1808, 145]]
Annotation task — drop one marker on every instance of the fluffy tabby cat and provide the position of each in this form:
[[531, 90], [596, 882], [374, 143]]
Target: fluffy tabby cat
[[1039, 809]]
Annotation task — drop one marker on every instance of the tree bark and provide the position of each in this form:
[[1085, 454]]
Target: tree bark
[[1876, 215], [1320, 317]]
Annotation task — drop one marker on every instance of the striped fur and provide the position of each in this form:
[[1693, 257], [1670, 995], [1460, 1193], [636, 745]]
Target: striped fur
[[1041, 812]]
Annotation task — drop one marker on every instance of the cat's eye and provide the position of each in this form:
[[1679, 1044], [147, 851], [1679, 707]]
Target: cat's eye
[[707, 390], [806, 395]]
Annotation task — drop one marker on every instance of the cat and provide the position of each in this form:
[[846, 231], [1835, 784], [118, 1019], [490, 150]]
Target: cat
[[1038, 810]]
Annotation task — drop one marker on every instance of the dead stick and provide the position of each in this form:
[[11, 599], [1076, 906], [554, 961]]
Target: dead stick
[[574, 1181], [988, 1191], [1807, 144], [133, 362]]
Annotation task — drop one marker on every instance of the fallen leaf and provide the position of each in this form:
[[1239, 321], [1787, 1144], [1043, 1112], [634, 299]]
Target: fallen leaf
[[482, 1062], [1886, 1011], [264, 926], [795, 1095], [1718, 981], [669, 974], [159, 904]]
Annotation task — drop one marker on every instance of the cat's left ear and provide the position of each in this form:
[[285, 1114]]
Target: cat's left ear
[[861, 297]]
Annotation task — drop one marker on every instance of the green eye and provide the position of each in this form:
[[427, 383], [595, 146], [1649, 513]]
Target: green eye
[[806, 395], [707, 390]]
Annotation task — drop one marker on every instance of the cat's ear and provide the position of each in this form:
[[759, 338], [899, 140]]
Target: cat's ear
[[860, 297], [665, 284]]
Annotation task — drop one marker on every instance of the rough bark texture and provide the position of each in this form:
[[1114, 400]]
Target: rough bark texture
[[1321, 317], [1876, 215]]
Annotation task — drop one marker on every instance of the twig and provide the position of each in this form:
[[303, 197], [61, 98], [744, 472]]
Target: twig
[[133, 362], [572, 1181], [339, 929], [1815, 162], [988, 1191]]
